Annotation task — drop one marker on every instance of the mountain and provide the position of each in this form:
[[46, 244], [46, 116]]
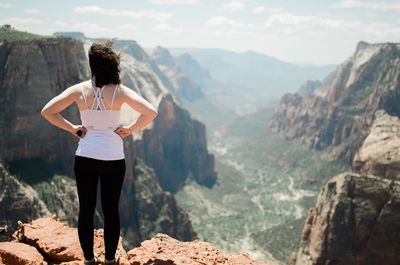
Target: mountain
[[339, 114], [33, 71], [191, 67], [192, 87], [181, 85], [254, 73]]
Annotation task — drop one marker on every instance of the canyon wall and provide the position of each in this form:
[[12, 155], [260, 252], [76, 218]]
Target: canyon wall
[[340, 112]]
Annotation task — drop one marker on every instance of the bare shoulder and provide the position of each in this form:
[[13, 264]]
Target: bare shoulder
[[126, 91], [136, 101], [75, 90]]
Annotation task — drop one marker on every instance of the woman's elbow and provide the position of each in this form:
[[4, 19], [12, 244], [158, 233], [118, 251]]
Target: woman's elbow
[[45, 113], [153, 113]]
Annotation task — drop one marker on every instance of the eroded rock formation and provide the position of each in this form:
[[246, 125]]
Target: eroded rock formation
[[355, 221]]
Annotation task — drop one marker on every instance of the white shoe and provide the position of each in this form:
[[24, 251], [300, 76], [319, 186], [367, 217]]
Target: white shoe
[[113, 261]]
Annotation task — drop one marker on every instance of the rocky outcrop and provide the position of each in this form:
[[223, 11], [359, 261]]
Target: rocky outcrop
[[340, 112], [48, 241], [146, 209], [379, 155], [163, 249], [179, 148], [355, 221], [19, 253]]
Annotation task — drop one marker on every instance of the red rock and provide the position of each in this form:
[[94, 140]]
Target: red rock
[[20, 254], [59, 242], [163, 249]]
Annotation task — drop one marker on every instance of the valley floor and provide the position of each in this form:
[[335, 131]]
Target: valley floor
[[265, 186]]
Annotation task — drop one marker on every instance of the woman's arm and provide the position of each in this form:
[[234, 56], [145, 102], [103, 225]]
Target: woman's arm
[[147, 112], [51, 111]]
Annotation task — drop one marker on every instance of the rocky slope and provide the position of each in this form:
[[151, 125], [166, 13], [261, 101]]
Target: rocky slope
[[340, 112], [35, 151], [355, 221], [48, 241]]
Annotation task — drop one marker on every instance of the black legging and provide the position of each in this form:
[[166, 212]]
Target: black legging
[[87, 173]]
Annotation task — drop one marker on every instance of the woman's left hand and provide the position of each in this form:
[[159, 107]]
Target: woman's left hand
[[123, 131]]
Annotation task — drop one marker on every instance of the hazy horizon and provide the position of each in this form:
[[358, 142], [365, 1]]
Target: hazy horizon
[[303, 32]]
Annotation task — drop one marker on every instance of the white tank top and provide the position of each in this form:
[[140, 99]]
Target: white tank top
[[100, 141]]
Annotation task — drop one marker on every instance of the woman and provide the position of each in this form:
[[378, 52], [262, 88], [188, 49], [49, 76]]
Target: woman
[[100, 153]]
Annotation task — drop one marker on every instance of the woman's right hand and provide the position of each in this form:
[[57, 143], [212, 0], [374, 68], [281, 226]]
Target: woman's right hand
[[79, 131]]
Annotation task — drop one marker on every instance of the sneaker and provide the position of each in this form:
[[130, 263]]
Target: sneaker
[[92, 261], [113, 261]]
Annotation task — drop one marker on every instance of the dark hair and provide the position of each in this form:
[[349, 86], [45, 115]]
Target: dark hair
[[104, 63]]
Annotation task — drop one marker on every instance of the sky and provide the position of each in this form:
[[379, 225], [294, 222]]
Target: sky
[[301, 31]]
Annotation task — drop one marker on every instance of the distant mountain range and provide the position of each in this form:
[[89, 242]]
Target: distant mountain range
[[257, 73]]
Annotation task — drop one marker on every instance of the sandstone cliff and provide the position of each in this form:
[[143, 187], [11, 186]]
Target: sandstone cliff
[[355, 221], [340, 112], [31, 72], [47, 241], [379, 155]]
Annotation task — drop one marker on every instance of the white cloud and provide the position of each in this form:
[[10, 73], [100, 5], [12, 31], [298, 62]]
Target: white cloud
[[223, 22], [149, 14], [381, 5], [235, 6], [32, 11], [228, 27], [19, 21], [167, 30], [295, 21], [60, 24], [174, 2], [4, 5], [128, 27], [263, 9], [91, 28], [259, 9]]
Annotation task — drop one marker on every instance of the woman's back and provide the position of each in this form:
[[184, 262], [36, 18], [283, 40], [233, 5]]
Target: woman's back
[[100, 117]]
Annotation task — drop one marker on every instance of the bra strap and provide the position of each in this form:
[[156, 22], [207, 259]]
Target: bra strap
[[115, 90], [83, 95], [98, 99]]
